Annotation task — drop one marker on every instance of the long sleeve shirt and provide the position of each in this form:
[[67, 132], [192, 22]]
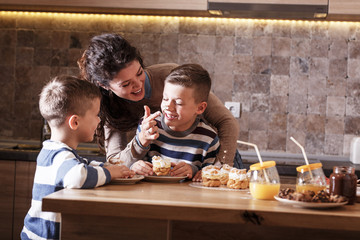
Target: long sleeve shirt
[[120, 146], [197, 146], [58, 167]]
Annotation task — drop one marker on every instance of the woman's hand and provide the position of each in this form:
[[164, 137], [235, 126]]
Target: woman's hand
[[149, 130], [143, 168], [181, 169], [197, 177]]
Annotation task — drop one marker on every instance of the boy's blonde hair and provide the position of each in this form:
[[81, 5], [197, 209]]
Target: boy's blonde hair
[[192, 76], [64, 96]]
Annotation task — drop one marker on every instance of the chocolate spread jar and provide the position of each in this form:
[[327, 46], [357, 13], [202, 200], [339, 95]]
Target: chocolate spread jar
[[343, 182]]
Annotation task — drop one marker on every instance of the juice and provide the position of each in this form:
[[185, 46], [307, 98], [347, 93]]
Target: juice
[[309, 187], [264, 190]]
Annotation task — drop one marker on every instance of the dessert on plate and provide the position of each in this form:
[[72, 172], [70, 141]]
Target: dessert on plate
[[310, 196], [211, 176], [224, 174], [238, 179], [161, 166]]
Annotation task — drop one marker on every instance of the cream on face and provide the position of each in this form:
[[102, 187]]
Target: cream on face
[[178, 107]]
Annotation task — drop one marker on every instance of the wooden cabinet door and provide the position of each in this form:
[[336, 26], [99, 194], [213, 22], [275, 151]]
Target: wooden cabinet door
[[129, 4], [344, 7], [25, 171], [7, 180]]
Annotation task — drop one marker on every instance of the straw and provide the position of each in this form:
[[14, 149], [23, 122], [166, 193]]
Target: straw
[[303, 152], [258, 154]]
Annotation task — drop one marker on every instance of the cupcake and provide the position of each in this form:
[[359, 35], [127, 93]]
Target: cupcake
[[161, 166], [238, 179], [211, 176], [224, 174]]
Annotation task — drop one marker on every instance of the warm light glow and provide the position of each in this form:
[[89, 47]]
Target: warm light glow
[[158, 18]]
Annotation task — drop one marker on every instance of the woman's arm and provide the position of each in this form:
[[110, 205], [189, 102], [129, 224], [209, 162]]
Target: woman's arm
[[228, 128], [122, 147]]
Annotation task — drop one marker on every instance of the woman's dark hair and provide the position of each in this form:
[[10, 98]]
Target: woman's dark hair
[[105, 57]]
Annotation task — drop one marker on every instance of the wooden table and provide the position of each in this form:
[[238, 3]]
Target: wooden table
[[177, 211]]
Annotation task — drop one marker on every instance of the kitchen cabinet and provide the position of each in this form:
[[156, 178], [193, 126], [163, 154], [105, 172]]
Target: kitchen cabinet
[[344, 9], [16, 179], [24, 179], [7, 184], [130, 4]]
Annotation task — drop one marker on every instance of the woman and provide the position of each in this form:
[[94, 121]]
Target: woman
[[116, 67]]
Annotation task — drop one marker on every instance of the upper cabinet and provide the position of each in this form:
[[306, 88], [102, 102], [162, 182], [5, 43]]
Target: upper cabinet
[[284, 9], [344, 10], [137, 4]]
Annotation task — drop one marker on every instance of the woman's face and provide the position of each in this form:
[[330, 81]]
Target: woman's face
[[129, 82]]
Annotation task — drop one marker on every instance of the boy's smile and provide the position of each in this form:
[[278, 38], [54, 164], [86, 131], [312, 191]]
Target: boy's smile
[[179, 107]]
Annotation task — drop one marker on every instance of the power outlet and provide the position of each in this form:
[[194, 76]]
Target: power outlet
[[234, 108]]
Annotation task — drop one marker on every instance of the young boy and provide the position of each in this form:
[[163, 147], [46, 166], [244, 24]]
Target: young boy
[[71, 107], [180, 133]]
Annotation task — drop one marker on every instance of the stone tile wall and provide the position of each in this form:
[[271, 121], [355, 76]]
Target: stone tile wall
[[293, 78]]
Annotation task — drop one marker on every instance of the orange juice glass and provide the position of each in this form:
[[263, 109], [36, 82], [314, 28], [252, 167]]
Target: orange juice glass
[[310, 177], [264, 181]]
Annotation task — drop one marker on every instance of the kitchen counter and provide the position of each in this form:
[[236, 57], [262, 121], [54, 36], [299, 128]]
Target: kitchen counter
[[23, 150], [148, 210], [286, 163]]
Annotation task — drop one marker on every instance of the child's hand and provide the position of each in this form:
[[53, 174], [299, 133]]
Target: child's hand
[[119, 171], [181, 169], [149, 130], [197, 177], [143, 168]]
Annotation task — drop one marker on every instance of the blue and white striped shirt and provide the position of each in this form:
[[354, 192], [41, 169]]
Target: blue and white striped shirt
[[58, 167], [196, 146]]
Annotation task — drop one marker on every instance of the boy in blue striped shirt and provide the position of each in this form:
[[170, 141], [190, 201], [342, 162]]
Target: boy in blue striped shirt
[[71, 107], [178, 133]]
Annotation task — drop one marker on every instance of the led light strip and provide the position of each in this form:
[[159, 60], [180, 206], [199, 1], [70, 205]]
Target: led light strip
[[154, 17]]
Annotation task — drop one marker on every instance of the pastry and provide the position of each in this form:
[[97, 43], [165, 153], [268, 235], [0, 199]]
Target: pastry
[[238, 179], [161, 166], [310, 196], [211, 176], [224, 174]]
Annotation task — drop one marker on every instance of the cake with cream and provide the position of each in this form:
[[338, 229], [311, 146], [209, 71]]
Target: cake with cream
[[224, 174], [161, 166], [238, 179], [211, 176]]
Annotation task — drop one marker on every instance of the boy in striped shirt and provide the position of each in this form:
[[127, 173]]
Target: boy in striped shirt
[[71, 107], [179, 133]]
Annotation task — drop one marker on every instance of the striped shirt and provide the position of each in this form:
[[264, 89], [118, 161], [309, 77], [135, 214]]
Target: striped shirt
[[196, 146], [58, 167]]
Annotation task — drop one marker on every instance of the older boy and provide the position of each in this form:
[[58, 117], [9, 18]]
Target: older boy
[[71, 107], [180, 133]]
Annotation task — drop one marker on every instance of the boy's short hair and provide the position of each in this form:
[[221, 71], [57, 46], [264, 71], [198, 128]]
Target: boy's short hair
[[192, 76], [66, 95]]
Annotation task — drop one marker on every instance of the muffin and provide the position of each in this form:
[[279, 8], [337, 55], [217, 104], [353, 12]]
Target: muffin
[[211, 176], [238, 179], [161, 166], [224, 174]]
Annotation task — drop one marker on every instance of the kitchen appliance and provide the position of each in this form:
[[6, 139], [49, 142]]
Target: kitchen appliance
[[279, 9], [355, 150]]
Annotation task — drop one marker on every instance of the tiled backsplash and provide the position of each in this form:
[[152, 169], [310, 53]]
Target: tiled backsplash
[[293, 78]]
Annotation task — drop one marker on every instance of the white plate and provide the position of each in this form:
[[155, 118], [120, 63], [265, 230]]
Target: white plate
[[221, 187], [132, 180], [166, 179], [309, 204]]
